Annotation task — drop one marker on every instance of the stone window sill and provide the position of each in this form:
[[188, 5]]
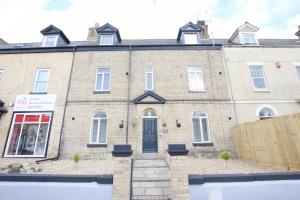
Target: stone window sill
[[96, 145], [207, 144], [38, 92], [101, 92]]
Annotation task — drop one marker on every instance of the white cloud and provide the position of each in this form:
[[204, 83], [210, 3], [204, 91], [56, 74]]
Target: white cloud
[[139, 18]]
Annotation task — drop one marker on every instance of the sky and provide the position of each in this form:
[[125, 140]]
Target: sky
[[22, 20]]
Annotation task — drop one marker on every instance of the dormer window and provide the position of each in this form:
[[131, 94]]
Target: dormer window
[[107, 39], [190, 38], [248, 38], [50, 41]]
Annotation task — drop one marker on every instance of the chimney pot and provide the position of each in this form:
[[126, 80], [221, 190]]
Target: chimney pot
[[298, 32]]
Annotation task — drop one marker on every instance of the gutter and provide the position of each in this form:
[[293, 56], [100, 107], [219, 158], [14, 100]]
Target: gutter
[[128, 94], [64, 113]]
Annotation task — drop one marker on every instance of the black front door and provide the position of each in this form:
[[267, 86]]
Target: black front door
[[149, 135]]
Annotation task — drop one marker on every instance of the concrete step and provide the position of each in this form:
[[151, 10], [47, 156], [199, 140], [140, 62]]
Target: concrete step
[[155, 197], [150, 163], [155, 191], [147, 156]]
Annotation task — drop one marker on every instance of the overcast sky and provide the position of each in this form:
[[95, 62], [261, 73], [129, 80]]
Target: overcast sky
[[22, 20]]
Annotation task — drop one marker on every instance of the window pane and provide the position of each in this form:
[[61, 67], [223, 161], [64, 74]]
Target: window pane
[[1, 73], [205, 129], [41, 141], [94, 130], [266, 112], [192, 81], [103, 126], [199, 113], [196, 129], [42, 75], [40, 86], [190, 38], [106, 39], [46, 118], [103, 70], [27, 141], [199, 81], [99, 82], [19, 118], [100, 115], [50, 41], [14, 140], [149, 81], [106, 81], [298, 71], [259, 83], [32, 118], [256, 71], [248, 38]]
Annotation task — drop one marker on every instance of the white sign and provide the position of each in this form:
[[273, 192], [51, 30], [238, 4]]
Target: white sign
[[44, 102]]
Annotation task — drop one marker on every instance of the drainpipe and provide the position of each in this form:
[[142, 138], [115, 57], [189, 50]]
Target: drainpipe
[[229, 86], [64, 113], [128, 94]]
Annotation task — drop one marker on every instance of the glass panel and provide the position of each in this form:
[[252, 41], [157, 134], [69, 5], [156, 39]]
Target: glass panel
[[192, 81], [100, 115], [27, 141], [103, 70], [196, 129], [259, 83], [1, 73], [46, 117], [103, 126], [40, 86], [199, 113], [298, 71], [248, 38], [32, 118], [41, 141], [107, 39], [149, 81], [205, 129], [199, 81], [19, 118], [152, 114], [149, 70], [266, 112], [50, 41], [190, 38], [256, 71], [106, 81], [94, 130], [99, 82], [42, 75], [14, 139]]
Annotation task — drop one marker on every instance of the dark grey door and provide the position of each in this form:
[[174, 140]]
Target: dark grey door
[[149, 135]]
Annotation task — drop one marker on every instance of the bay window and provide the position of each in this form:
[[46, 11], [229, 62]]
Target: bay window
[[28, 135]]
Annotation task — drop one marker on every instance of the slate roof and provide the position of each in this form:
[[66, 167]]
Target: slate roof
[[157, 42]]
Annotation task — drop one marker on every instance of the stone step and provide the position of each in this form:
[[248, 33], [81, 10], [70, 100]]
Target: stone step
[[155, 191], [151, 156], [150, 163], [147, 184], [155, 197]]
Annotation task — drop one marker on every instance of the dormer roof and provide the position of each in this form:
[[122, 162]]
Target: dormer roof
[[108, 28], [246, 27], [188, 28], [52, 30]]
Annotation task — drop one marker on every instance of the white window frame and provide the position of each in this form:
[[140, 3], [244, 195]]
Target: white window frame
[[264, 77], [55, 37], [105, 35], [242, 38], [36, 77], [297, 70], [189, 34], [102, 83], [191, 69], [1, 74], [98, 130], [146, 78], [260, 107], [23, 122], [201, 132]]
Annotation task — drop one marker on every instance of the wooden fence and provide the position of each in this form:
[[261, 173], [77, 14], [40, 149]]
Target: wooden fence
[[273, 141]]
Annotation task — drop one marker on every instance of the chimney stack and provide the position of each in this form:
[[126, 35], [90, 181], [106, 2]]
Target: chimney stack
[[204, 29], [2, 41], [298, 32], [92, 34]]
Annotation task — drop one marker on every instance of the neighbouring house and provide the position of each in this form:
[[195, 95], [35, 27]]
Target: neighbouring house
[[264, 74], [34, 83]]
